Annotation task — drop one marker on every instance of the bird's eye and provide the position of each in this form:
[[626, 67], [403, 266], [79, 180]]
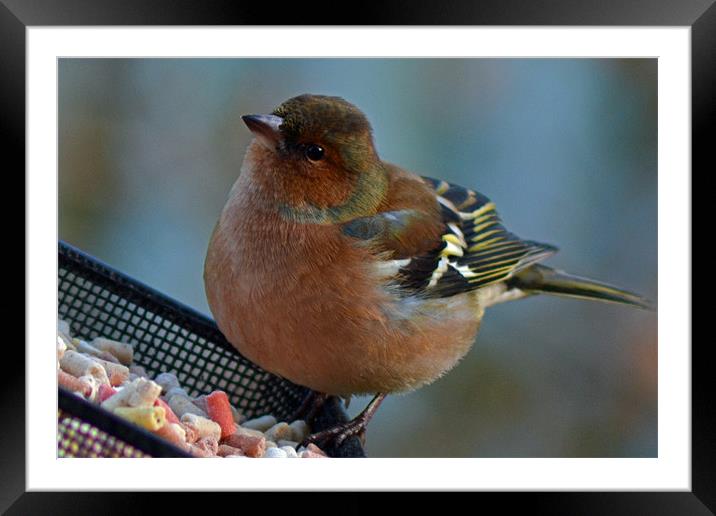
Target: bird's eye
[[314, 152]]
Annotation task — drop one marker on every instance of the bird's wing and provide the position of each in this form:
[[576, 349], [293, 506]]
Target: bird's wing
[[476, 248]]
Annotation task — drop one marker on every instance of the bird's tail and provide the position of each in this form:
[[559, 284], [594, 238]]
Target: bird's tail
[[539, 279]]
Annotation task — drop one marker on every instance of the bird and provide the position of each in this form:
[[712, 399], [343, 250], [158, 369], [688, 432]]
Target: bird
[[350, 275]]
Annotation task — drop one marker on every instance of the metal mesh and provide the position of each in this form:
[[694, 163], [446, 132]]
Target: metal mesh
[[77, 438], [167, 336]]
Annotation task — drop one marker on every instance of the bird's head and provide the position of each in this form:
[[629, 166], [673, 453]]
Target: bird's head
[[316, 153]]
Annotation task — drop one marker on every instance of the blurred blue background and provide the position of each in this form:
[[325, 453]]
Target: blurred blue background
[[567, 148]]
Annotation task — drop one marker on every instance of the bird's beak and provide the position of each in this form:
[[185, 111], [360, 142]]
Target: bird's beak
[[265, 128]]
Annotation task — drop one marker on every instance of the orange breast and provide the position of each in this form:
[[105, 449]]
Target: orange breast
[[302, 302]]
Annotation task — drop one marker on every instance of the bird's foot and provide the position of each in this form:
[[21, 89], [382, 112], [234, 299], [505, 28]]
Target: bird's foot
[[336, 435], [309, 407]]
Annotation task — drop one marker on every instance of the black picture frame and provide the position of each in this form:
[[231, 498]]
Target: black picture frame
[[17, 15]]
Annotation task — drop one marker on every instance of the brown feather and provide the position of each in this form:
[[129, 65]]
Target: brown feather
[[295, 182], [408, 191], [303, 302]]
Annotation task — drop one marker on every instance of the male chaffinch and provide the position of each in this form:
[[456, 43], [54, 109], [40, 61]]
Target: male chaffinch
[[349, 275]]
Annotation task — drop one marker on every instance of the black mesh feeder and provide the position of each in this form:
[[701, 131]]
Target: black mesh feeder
[[98, 301]]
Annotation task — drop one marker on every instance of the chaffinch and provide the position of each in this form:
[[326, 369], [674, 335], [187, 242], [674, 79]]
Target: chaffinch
[[349, 275]]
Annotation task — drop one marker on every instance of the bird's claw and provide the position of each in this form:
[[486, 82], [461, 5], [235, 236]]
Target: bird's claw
[[336, 435], [309, 407]]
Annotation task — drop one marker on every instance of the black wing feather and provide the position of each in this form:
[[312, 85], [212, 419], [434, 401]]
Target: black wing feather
[[477, 250]]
